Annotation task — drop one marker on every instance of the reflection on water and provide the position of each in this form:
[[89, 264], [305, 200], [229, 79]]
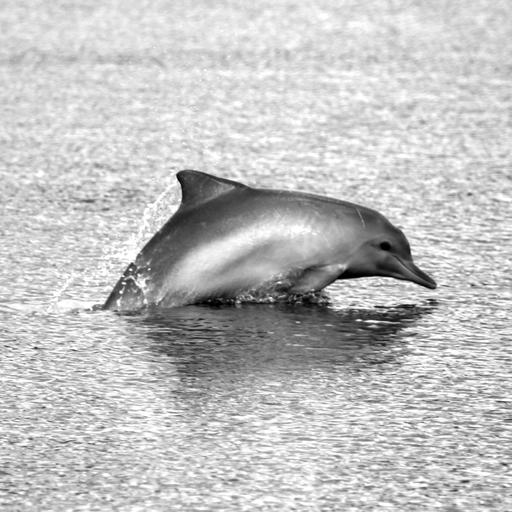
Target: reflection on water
[[202, 339]]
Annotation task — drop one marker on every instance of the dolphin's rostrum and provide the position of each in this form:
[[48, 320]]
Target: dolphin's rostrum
[[227, 239]]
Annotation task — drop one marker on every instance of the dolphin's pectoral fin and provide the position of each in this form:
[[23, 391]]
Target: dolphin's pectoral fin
[[315, 278]]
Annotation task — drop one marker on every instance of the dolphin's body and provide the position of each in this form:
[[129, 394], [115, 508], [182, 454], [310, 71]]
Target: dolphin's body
[[228, 239]]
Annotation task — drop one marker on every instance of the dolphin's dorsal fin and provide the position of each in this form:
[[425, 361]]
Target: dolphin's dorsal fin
[[198, 187]]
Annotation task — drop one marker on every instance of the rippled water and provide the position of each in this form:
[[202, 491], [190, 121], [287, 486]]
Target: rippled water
[[390, 397]]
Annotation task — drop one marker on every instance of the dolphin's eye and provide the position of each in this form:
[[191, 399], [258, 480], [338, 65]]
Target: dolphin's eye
[[385, 246]]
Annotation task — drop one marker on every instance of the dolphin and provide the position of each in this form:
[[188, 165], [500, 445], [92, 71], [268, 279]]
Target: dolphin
[[228, 239]]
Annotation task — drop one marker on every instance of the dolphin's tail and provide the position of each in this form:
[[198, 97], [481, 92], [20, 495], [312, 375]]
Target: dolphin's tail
[[126, 294]]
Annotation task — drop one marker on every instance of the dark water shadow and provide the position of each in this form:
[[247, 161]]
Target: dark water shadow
[[200, 340]]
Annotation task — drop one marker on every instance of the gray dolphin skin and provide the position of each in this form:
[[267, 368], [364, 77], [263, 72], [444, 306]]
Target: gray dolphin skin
[[227, 239]]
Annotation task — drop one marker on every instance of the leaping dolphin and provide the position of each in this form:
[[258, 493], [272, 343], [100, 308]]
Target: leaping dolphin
[[227, 239]]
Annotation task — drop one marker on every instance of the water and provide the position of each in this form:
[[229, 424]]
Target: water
[[390, 397]]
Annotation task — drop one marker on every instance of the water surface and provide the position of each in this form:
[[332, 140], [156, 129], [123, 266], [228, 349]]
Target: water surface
[[390, 396]]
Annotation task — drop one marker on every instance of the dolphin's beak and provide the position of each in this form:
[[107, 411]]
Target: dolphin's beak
[[407, 270]]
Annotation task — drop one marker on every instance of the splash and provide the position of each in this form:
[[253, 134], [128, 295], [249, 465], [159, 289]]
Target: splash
[[318, 298], [54, 304], [276, 290], [114, 256], [154, 215]]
